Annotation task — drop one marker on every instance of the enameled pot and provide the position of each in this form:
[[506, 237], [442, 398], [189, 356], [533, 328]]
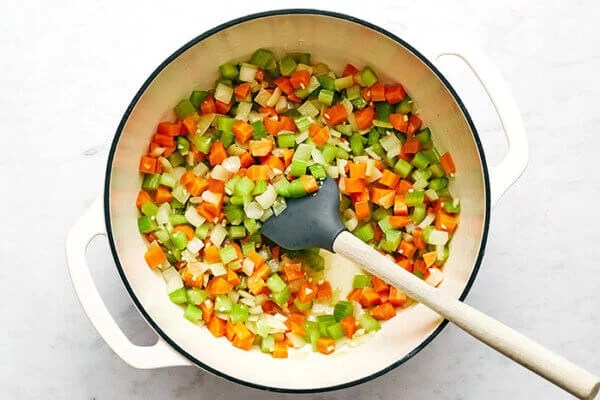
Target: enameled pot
[[195, 65]]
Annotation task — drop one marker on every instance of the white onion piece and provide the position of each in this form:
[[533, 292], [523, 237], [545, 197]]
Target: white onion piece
[[274, 97], [274, 323], [256, 310], [282, 105], [200, 169], [210, 197], [344, 145], [262, 97], [332, 171], [223, 93], [410, 227], [429, 218], [352, 121], [172, 279], [375, 175], [217, 269], [438, 237], [341, 164], [254, 116], [166, 164], [317, 156], [296, 340], [243, 111], [193, 217], [162, 217], [372, 154], [301, 137], [273, 264], [157, 151], [439, 252], [334, 133], [435, 276], [387, 201], [348, 106], [431, 194], [220, 173], [217, 235], [350, 219], [247, 72], [253, 210], [390, 142], [248, 266], [179, 171], [195, 245], [267, 198], [232, 164]]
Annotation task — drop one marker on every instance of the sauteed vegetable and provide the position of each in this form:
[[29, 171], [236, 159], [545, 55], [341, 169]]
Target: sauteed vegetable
[[268, 131]]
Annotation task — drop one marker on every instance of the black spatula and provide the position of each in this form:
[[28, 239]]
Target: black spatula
[[314, 221]]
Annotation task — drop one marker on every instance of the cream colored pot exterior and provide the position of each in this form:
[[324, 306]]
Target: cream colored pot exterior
[[195, 67]]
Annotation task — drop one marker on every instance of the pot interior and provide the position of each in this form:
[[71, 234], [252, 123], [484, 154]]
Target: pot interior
[[195, 67]]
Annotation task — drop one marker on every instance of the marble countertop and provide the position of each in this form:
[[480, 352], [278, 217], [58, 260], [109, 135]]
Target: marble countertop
[[67, 71]]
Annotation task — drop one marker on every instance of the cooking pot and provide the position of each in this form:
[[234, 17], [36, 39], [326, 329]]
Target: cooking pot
[[194, 66]]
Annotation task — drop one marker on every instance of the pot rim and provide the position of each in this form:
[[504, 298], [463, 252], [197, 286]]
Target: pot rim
[[209, 33]]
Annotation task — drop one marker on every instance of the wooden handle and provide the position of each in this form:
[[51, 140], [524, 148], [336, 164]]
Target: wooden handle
[[507, 341]]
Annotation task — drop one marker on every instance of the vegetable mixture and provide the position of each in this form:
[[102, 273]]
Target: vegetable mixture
[[269, 131]]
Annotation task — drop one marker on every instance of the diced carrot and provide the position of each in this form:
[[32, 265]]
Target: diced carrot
[[394, 93], [355, 294], [310, 183], [163, 195], [400, 207], [208, 309], [397, 297], [362, 210], [377, 194], [378, 92], [369, 297], [217, 326], [348, 326], [268, 111], [142, 197], [399, 221], [242, 131], [363, 196], [258, 172], [163, 140], [281, 350], [366, 93], [364, 118], [260, 74], [321, 137], [274, 163], [288, 154], [350, 70], [405, 263], [300, 79], [241, 331], [217, 153], [169, 128], [379, 285], [430, 258], [208, 105], [355, 185], [191, 279], [155, 256], [295, 323], [414, 124], [205, 212], [404, 186], [222, 108], [447, 163], [407, 249], [255, 284], [169, 150], [399, 122], [313, 129], [378, 232], [417, 235], [335, 115], [358, 170], [243, 343], [445, 222], [262, 272], [190, 124], [324, 291], [411, 146], [293, 271], [241, 91], [187, 178], [218, 285], [283, 83], [383, 311], [197, 186], [306, 292], [211, 254], [232, 277], [325, 345], [187, 230], [246, 159], [148, 165], [260, 148], [287, 124], [256, 258], [215, 185], [389, 179], [229, 332], [420, 266]]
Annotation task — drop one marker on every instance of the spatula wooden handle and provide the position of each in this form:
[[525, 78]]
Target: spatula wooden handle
[[507, 341]]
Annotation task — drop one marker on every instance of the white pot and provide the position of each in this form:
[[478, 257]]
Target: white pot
[[335, 39]]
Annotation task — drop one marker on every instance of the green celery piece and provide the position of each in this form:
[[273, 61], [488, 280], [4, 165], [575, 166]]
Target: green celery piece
[[320, 69], [262, 58], [335, 331], [275, 283], [365, 232], [151, 182], [202, 143], [329, 152], [286, 140], [248, 248], [227, 254], [251, 225], [359, 103], [259, 130], [361, 281], [202, 231], [229, 71], [243, 187], [146, 224], [449, 207], [318, 171], [404, 107], [223, 304], [239, 313], [414, 198], [196, 296], [260, 187], [176, 159], [368, 76], [177, 219], [381, 213], [368, 323], [343, 154], [438, 183], [178, 296], [267, 344], [420, 161], [179, 240], [391, 241], [280, 298], [373, 137], [296, 187], [282, 187], [192, 313], [287, 65], [303, 307], [342, 309], [327, 82], [149, 208], [227, 138], [424, 136], [326, 96], [184, 108], [353, 92], [382, 111], [298, 167], [356, 144], [197, 97], [183, 145], [237, 232], [302, 58], [418, 213], [403, 167], [432, 155], [324, 322], [225, 124]]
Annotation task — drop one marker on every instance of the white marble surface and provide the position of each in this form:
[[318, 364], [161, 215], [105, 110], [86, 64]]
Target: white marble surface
[[67, 72]]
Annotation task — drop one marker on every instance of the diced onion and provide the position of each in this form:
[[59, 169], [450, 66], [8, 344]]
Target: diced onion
[[254, 116], [301, 137], [429, 218], [204, 123], [162, 217], [166, 164], [434, 277], [274, 98], [390, 142], [420, 184], [243, 111], [295, 339], [279, 206], [247, 72], [232, 164], [195, 245], [172, 279], [350, 219], [317, 156], [273, 264], [410, 227], [372, 154], [341, 164], [253, 210], [438, 237], [344, 145], [262, 97], [332, 171], [179, 171], [282, 105], [267, 198], [431, 194], [334, 133], [223, 93], [347, 105], [200, 169], [375, 175], [352, 121], [439, 252], [210, 197], [217, 235], [193, 217], [217, 269], [248, 266], [220, 173]]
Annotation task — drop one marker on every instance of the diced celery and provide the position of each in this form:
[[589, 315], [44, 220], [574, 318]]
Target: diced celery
[[329, 152], [260, 187], [248, 248], [178, 296], [335, 331], [368, 323], [275, 283], [239, 313], [326, 96], [177, 219], [356, 144], [414, 198], [251, 225], [286, 140], [304, 122], [287, 65], [424, 136], [303, 307], [438, 183], [197, 97], [151, 182], [192, 313], [381, 213], [168, 179], [368, 76], [364, 232], [298, 167], [318, 171], [451, 206], [436, 170], [382, 111], [229, 71], [179, 240], [404, 107], [343, 309], [237, 232], [196, 296], [385, 224], [418, 213], [202, 231], [149, 208], [420, 161], [391, 241], [262, 58], [228, 253], [343, 82], [184, 108], [223, 304], [146, 224], [327, 82], [324, 322], [281, 298], [267, 345]]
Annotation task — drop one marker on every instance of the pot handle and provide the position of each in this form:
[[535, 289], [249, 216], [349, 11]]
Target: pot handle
[[506, 173], [90, 225]]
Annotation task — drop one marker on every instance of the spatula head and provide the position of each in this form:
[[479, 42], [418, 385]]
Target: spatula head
[[311, 221]]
